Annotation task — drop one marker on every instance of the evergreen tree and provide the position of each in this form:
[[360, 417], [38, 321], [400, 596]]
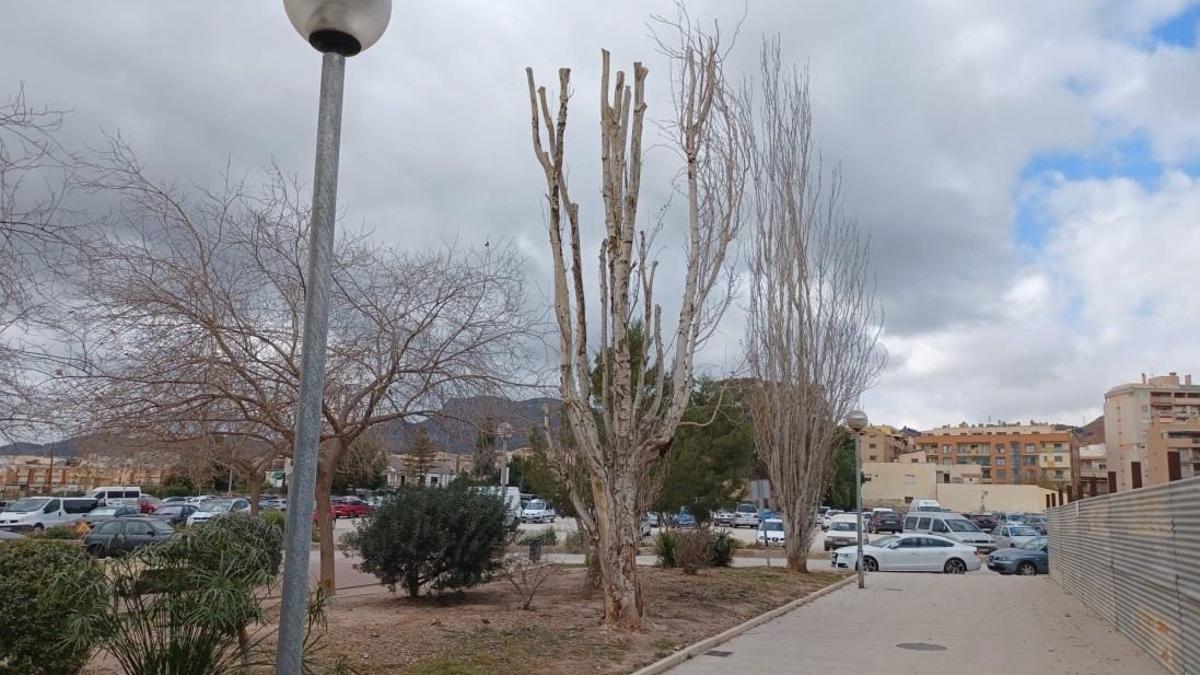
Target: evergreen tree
[[421, 456]]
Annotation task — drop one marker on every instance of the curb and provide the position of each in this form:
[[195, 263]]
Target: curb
[[698, 648]]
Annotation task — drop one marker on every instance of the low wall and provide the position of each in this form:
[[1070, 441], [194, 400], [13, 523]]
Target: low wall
[[1132, 558]]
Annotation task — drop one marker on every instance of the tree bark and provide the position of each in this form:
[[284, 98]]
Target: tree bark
[[617, 527], [325, 526], [797, 546], [255, 493]]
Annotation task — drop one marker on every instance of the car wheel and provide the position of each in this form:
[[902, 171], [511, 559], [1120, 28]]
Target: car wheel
[[38, 527], [96, 551], [870, 565], [955, 566], [827, 545], [1027, 569]]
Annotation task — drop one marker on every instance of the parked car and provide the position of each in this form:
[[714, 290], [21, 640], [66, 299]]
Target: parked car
[[175, 500], [122, 535], [1029, 559], [952, 526], [350, 507], [538, 511], [745, 515], [770, 532], [930, 505], [644, 528], [652, 518], [174, 513], [843, 531], [1037, 522], [885, 521], [684, 520], [102, 514], [1010, 536], [147, 504], [38, 513], [111, 495], [200, 499], [217, 507], [723, 517], [984, 521], [910, 552], [828, 517]]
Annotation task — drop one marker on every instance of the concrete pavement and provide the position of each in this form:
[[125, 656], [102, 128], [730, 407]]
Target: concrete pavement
[[930, 624]]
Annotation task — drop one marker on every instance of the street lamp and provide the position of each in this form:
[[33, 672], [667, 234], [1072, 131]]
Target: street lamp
[[337, 29], [857, 421]]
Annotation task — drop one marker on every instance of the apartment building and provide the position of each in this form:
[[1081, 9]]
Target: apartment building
[[884, 443], [1152, 431], [1014, 454]]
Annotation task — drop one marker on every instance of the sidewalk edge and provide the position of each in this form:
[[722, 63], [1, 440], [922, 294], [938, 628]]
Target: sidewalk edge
[[698, 648]]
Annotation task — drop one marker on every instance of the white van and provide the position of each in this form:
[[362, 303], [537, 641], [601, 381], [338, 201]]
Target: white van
[[931, 505], [510, 495], [953, 526], [38, 513], [115, 495]]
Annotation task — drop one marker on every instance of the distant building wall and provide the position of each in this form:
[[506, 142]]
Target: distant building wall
[[897, 484]]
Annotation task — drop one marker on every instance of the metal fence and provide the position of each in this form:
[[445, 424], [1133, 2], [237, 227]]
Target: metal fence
[[1134, 558]]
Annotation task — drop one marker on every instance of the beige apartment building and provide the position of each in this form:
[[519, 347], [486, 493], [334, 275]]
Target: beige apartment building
[[884, 443], [1003, 454], [1152, 431]]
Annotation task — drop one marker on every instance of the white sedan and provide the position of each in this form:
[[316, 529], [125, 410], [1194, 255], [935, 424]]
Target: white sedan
[[911, 552]]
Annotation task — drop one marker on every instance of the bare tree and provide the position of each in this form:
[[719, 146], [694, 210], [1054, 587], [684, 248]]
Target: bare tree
[[622, 426], [813, 326], [35, 233], [193, 317]]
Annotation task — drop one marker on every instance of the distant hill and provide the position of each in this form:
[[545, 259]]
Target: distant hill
[[455, 430], [1092, 432]]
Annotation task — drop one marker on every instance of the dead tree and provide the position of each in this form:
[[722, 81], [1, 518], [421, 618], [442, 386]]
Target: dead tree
[[623, 419], [813, 325]]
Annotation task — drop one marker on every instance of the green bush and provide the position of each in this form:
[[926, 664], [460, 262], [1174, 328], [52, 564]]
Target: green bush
[[275, 519], [450, 537], [666, 547], [31, 613], [574, 542], [721, 549], [190, 606], [58, 532], [547, 536]]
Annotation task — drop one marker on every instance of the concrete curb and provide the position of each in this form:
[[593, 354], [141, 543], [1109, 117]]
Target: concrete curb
[[698, 648]]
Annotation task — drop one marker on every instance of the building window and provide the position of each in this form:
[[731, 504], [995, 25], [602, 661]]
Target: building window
[[871, 445], [1000, 461], [946, 447], [946, 462], [1030, 447], [1001, 474], [1058, 473], [1058, 459], [870, 458]]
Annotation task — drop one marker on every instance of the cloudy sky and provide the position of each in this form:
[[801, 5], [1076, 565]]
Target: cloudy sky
[[1029, 172]]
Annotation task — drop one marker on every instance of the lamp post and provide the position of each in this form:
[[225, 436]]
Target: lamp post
[[857, 421], [337, 29]]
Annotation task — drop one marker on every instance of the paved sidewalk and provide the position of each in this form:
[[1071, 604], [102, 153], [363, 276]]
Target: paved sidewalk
[[974, 624]]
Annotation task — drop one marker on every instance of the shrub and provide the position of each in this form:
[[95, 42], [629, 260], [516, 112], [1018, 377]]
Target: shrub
[[58, 532], [31, 613], [666, 546], [275, 519], [526, 577], [448, 537], [574, 542], [191, 605], [693, 549], [721, 549], [547, 536]]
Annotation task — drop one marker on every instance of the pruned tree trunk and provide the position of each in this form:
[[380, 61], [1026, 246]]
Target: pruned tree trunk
[[813, 325], [623, 425], [325, 472]]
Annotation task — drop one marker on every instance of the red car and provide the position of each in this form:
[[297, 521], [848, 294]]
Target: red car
[[350, 507]]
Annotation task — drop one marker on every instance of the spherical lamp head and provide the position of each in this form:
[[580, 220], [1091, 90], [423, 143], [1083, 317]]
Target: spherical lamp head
[[856, 420], [345, 27]]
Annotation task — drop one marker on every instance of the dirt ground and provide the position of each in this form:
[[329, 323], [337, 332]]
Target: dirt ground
[[483, 630]]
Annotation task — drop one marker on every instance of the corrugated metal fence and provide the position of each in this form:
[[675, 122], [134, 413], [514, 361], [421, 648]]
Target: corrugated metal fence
[[1134, 558]]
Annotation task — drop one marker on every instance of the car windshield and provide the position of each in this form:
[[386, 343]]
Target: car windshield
[[1034, 544], [217, 505], [1022, 531], [26, 505], [746, 508], [169, 509], [842, 527], [884, 541], [536, 505], [961, 525], [773, 525]]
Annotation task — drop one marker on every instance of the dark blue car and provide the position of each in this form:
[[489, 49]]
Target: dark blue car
[[1027, 560]]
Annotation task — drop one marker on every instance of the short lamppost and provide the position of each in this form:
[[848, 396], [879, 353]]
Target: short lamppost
[[337, 29], [857, 421]]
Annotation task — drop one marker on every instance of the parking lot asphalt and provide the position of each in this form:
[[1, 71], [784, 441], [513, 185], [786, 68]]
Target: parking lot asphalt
[[933, 624]]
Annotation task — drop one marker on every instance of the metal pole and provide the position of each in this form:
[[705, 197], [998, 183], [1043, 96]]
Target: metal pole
[[302, 487], [858, 503]]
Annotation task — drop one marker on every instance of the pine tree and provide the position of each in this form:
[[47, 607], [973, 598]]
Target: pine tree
[[421, 456]]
